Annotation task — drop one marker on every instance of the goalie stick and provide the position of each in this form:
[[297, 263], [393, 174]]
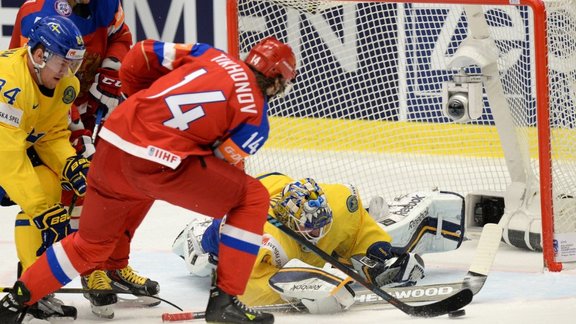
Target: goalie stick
[[104, 291], [441, 307], [473, 280]]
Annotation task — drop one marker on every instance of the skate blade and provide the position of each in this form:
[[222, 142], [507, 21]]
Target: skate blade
[[29, 319], [103, 311], [138, 301]]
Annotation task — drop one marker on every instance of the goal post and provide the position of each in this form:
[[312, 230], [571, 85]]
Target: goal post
[[474, 97]]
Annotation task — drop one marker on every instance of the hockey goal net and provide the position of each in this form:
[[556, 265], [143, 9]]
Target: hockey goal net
[[371, 104]]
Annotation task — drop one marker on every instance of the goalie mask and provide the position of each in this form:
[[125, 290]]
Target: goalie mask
[[302, 206]]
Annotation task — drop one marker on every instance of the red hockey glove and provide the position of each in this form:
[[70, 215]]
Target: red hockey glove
[[105, 92], [81, 139]]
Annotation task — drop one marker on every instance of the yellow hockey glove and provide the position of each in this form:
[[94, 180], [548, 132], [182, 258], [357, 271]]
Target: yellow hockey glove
[[54, 224], [74, 174]]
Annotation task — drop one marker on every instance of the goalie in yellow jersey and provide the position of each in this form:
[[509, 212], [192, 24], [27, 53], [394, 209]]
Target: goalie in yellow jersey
[[37, 87], [329, 215]]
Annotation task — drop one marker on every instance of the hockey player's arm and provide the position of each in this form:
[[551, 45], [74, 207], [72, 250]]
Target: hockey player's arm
[[17, 175], [377, 261], [149, 60], [54, 147], [119, 36], [244, 141], [105, 91], [371, 253]]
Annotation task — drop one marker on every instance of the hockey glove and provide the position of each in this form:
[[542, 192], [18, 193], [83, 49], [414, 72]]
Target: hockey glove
[[188, 245], [322, 290], [54, 224], [105, 92], [74, 174], [81, 139], [401, 271]]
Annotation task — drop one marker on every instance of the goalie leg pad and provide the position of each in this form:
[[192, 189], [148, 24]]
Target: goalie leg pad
[[426, 222], [321, 290]]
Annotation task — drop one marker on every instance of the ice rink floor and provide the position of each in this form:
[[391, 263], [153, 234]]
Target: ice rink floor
[[517, 290]]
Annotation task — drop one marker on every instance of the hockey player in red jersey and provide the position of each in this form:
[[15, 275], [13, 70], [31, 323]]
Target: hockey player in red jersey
[[107, 40], [176, 138]]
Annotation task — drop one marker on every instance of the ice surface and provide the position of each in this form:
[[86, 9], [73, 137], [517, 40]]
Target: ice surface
[[517, 290]]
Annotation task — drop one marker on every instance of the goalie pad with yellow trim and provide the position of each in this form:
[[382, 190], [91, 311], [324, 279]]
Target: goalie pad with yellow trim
[[321, 290], [424, 222]]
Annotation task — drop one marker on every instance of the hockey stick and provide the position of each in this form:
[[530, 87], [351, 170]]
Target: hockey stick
[[72, 203], [473, 280], [100, 291], [98, 123], [441, 307]]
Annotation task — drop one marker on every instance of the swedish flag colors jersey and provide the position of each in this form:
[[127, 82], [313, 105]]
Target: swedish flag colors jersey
[[352, 232], [101, 24], [30, 116]]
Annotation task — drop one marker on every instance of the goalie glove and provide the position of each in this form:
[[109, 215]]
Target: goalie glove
[[74, 174], [401, 271], [188, 246], [54, 224], [321, 290]]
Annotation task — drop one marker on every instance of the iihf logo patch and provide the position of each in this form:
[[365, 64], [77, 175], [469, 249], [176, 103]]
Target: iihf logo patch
[[352, 203], [63, 8], [163, 157]]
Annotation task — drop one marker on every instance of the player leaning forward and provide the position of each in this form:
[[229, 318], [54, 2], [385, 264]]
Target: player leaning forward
[[37, 87], [178, 139], [329, 215]]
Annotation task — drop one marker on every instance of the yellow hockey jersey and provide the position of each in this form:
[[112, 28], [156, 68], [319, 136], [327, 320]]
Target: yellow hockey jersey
[[29, 117], [352, 232]]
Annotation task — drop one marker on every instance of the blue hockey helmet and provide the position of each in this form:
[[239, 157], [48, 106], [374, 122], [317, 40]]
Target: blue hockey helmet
[[60, 37]]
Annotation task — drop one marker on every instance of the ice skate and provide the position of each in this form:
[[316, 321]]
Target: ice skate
[[12, 307], [102, 305], [126, 280], [224, 308], [51, 307]]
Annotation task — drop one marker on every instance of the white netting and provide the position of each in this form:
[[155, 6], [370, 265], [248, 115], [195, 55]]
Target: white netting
[[367, 106]]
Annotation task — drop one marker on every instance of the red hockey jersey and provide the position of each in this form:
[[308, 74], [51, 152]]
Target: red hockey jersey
[[187, 100]]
